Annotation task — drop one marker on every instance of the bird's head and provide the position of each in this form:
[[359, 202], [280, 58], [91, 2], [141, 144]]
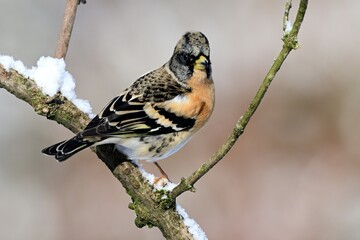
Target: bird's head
[[192, 52]]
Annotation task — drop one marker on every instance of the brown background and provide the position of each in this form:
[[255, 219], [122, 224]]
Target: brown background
[[294, 174]]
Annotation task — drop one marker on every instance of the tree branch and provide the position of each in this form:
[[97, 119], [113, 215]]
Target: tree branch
[[56, 108], [290, 43]]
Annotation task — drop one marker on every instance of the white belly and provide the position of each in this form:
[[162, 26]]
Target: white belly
[[150, 148]]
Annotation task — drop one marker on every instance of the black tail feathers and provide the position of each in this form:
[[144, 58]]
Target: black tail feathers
[[65, 149]]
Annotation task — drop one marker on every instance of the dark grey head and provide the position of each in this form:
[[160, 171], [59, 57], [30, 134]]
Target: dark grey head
[[191, 52]]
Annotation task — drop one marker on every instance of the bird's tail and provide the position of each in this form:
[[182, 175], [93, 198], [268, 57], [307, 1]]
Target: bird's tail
[[65, 149]]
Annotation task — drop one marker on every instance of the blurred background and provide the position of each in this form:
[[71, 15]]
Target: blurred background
[[295, 172]]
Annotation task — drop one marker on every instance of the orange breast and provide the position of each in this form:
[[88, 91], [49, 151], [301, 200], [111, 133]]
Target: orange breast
[[198, 104]]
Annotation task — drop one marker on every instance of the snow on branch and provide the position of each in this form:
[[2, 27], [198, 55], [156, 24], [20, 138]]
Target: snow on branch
[[50, 75]]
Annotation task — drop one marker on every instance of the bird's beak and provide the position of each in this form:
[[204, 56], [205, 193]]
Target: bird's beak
[[201, 63]]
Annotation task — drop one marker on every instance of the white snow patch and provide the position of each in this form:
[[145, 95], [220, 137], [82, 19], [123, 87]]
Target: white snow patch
[[50, 75], [9, 62], [288, 26], [148, 176], [162, 184], [193, 226]]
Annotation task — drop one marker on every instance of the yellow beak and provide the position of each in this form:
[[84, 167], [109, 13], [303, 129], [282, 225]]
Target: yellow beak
[[201, 63]]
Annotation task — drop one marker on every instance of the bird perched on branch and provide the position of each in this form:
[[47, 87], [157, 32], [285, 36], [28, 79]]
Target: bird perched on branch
[[158, 113]]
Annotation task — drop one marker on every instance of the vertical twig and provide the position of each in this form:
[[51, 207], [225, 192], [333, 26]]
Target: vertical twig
[[66, 28]]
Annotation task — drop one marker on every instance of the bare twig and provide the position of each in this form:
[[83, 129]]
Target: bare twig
[[290, 43], [66, 28]]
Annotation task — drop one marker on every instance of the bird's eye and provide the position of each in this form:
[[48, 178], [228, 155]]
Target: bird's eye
[[186, 58], [191, 59]]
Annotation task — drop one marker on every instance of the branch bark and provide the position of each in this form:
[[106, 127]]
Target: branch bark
[[150, 206]]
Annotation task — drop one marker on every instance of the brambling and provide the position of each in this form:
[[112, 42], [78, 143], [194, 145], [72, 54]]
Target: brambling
[[158, 113]]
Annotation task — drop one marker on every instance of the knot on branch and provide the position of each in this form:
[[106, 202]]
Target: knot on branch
[[291, 41]]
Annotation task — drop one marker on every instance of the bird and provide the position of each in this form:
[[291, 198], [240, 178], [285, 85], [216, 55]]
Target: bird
[[159, 113]]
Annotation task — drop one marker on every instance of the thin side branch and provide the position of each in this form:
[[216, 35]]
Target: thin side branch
[[290, 43], [66, 28]]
